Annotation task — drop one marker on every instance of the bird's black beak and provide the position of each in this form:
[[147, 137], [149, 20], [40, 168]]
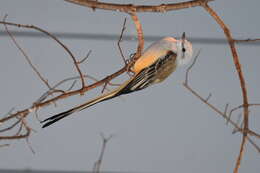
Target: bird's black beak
[[183, 37]]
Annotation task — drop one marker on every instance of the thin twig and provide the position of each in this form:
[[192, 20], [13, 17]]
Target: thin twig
[[28, 129], [237, 122], [209, 96], [19, 129], [241, 106], [190, 67], [15, 137], [254, 144], [29, 145], [119, 41], [9, 112], [246, 40], [72, 85], [86, 57], [226, 109], [11, 126], [97, 164], [104, 87]]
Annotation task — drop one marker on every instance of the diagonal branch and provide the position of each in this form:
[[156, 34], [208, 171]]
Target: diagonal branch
[[223, 114]]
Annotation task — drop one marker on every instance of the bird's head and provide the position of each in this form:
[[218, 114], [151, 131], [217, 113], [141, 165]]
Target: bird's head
[[183, 50], [181, 47]]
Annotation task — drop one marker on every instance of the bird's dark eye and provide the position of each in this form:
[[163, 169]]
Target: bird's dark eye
[[183, 49]]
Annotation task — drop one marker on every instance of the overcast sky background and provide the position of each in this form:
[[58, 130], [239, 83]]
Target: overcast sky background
[[163, 128]]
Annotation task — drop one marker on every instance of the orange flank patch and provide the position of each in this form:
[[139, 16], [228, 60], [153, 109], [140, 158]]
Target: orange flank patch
[[147, 59]]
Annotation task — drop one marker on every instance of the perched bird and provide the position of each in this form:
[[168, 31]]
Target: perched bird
[[156, 63]]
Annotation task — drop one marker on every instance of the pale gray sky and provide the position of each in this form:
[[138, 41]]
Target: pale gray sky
[[163, 128]]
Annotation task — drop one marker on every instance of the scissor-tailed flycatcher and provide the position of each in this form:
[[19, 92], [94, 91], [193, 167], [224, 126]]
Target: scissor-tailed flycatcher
[[156, 63]]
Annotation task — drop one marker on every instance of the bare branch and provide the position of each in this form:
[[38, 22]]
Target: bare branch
[[225, 116], [15, 137], [129, 8], [240, 75]]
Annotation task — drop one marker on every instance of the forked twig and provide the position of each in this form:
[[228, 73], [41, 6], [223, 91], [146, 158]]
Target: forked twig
[[241, 106], [85, 58], [97, 164], [10, 127], [119, 41], [225, 116], [190, 67]]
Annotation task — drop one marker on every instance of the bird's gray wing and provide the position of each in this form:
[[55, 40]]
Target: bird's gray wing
[[149, 75]]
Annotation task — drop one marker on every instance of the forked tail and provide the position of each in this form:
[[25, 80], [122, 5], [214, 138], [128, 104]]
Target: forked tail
[[140, 81], [92, 102]]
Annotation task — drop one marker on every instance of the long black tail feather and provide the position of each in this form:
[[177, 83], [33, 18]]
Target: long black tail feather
[[141, 81], [47, 122]]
